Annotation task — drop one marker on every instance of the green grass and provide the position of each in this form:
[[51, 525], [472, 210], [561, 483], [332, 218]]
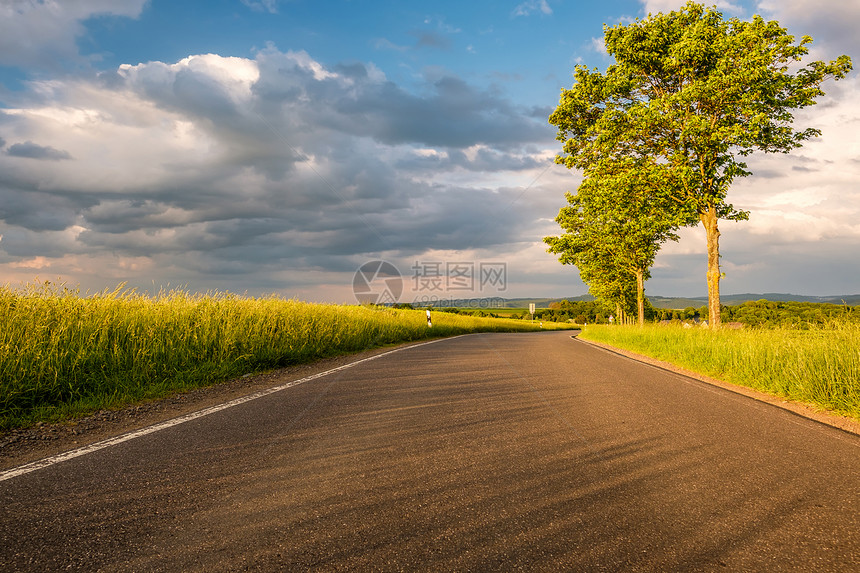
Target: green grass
[[505, 312], [63, 355], [819, 366]]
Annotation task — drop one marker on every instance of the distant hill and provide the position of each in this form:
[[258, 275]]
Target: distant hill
[[667, 302], [850, 299], [734, 299], [672, 302], [496, 302], [544, 302]]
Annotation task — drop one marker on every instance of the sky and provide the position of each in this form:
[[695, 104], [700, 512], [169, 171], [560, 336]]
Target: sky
[[283, 146]]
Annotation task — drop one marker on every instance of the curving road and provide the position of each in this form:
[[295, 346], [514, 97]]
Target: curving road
[[491, 452]]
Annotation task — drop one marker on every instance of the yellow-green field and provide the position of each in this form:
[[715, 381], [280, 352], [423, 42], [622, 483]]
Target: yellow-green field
[[63, 355], [819, 366]]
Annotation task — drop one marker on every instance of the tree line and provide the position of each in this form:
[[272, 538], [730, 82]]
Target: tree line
[[761, 313], [661, 135]]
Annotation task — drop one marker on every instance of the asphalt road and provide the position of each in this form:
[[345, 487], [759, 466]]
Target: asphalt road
[[491, 452]]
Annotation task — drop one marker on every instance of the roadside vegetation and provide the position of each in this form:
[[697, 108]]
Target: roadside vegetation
[[818, 365], [64, 355], [759, 314]]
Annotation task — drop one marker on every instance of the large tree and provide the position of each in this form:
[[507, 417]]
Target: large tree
[[614, 227], [696, 93]]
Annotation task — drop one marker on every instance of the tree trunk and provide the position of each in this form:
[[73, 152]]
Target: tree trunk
[[640, 295], [709, 220], [619, 313]]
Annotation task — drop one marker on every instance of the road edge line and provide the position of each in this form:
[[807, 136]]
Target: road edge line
[[801, 409], [94, 447]]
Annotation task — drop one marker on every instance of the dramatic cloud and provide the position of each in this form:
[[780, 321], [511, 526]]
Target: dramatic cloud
[[281, 173], [222, 167]]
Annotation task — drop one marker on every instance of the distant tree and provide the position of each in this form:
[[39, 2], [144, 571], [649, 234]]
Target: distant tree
[[614, 227], [585, 245], [696, 93], [651, 313]]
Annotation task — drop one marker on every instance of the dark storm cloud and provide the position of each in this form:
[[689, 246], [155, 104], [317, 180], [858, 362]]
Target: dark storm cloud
[[484, 160], [294, 107], [24, 204], [20, 243], [540, 112], [453, 114], [32, 150], [447, 112], [494, 161], [300, 167], [773, 266]]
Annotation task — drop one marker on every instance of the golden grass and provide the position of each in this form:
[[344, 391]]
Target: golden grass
[[820, 365], [64, 355]]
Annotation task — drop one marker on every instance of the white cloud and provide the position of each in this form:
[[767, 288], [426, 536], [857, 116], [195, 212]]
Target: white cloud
[[834, 29], [832, 25], [270, 6], [531, 6], [43, 33], [229, 76], [811, 193], [39, 262], [666, 6]]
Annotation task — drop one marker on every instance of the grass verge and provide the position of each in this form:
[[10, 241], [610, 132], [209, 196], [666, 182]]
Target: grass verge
[[820, 366], [63, 355]]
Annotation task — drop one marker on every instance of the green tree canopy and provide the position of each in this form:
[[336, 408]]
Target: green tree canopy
[[695, 93], [614, 227]]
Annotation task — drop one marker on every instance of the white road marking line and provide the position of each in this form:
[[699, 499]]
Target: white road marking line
[[50, 461], [745, 395]]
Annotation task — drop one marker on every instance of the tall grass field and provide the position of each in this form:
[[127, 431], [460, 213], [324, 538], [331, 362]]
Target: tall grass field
[[63, 354], [819, 366]]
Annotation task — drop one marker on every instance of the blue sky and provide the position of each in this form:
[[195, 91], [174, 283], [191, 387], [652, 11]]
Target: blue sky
[[277, 145]]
